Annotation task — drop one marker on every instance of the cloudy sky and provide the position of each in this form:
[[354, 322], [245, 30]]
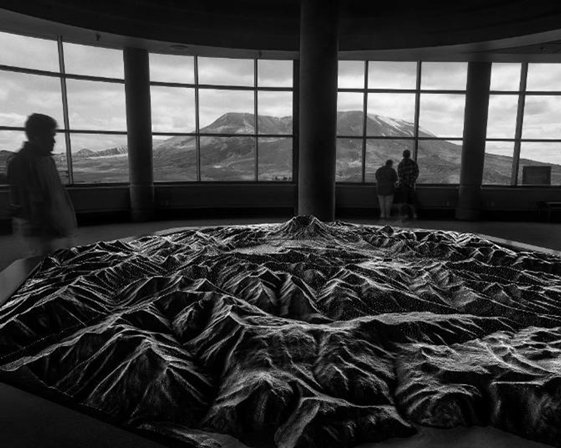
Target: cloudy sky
[[101, 105]]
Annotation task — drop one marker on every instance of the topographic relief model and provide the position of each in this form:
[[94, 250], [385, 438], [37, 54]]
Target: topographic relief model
[[299, 334]]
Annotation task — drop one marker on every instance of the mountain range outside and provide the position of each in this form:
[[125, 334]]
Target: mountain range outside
[[228, 149]]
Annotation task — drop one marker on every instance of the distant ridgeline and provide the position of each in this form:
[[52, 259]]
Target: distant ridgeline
[[226, 158]]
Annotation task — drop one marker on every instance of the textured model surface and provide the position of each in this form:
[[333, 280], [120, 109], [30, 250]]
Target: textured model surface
[[301, 334]]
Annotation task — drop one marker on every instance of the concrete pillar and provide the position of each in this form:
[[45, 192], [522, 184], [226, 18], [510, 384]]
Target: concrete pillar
[[139, 133], [473, 149], [318, 108]]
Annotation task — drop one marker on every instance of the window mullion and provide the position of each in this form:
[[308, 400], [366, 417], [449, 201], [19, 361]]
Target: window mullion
[[256, 118], [417, 110], [519, 124], [197, 123], [364, 120], [65, 115]]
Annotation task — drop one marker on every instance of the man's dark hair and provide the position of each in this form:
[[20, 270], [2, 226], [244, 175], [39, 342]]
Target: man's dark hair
[[406, 153], [39, 124], [389, 162]]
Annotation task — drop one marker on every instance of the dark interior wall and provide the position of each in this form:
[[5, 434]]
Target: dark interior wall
[[171, 199]]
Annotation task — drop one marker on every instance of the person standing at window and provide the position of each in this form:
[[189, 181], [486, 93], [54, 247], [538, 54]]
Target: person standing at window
[[408, 172], [386, 177], [41, 209]]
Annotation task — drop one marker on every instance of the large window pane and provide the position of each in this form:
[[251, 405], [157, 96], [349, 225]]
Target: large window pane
[[542, 117], [350, 115], [505, 76], [226, 111], [275, 112], [380, 150], [497, 168], [28, 52], [351, 75], [175, 158], [392, 75], [173, 109], [442, 115], [444, 75], [501, 122], [172, 68], [348, 160], [544, 77], [22, 94], [275, 159], [274, 73], [544, 154], [93, 61], [96, 105], [227, 158], [439, 161], [229, 72], [98, 158], [391, 114]]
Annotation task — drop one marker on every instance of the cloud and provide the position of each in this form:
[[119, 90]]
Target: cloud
[[444, 75], [24, 94], [276, 104], [95, 105], [225, 71], [541, 151], [11, 140], [542, 117], [501, 122], [392, 75], [173, 109], [93, 61], [394, 105], [274, 73], [28, 52], [172, 68], [351, 74], [442, 114], [544, 77], [12, 119], [536, 105], [505, 76], [214, 103], [350, 101]]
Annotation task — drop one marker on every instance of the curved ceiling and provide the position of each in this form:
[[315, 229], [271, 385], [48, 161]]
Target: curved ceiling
[[273, 25]]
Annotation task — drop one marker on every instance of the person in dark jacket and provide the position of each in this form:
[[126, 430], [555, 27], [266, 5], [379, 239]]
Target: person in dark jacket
[[408, 172], [42, 213], [386, 177]]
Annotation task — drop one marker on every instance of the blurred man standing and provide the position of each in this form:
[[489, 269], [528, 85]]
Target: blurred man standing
[[41, 210], [408, 172]]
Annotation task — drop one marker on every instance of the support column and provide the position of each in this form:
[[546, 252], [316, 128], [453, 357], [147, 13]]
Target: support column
[[139, 133], [318, 108], [475, 132]]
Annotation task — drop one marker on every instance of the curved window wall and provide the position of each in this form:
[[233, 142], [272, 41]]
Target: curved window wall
[[224, 119]]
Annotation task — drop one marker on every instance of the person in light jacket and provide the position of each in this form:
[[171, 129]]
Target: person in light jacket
[[386, 177], [41, 209]]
